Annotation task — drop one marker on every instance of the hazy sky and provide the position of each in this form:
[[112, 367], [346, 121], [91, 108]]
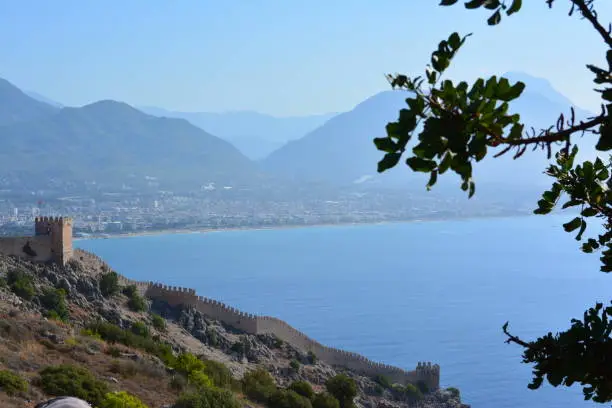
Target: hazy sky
[[283, 57]]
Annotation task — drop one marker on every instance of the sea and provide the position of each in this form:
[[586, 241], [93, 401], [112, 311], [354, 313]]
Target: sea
[[397, 293]]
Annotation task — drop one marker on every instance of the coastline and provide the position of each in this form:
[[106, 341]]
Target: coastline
[[205, 230]]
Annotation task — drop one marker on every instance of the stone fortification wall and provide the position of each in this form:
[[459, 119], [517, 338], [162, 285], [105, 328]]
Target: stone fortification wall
[[252, 324], [35, 249]]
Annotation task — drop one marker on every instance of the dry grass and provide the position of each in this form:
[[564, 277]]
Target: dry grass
[[27, 345]]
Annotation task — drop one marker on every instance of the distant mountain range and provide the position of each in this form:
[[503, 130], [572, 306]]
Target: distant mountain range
[[342, 151], [254, 134], [112, 144], [115, 144]]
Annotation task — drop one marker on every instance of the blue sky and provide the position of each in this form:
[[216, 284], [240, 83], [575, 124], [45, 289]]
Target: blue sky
[[281, 57]]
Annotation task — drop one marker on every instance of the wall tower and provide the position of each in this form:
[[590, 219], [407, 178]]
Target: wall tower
[[59, 229]]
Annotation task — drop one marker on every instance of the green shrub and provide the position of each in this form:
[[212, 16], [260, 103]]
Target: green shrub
[[412, 393], [213, 338], [383, 381], [294, 364], [303, 388], [220, 375], [121, 399], [199, 380], [455, 393], [288, 399], [140, 329], [90, 333], [422, 386], [75, 381], [186, 363], [12, 383], [238, 347], [136, 303], [258, 385], [178, 382], [325, 400], [54, 300], [343, 388], [158, 322], [130, 290], [109, 284], [3, 283], [312, 357], [208, 398], [21, 284], [114, 334]]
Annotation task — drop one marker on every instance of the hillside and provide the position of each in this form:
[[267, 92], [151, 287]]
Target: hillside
[[83, 322], [342, 151], [16, 106], [255, 134], [116, 146]]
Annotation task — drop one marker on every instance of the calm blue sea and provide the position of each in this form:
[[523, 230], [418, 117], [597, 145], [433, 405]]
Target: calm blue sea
[[397, 293]]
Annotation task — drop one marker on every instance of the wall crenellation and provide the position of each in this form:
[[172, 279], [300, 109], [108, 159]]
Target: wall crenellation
[[255, 324]]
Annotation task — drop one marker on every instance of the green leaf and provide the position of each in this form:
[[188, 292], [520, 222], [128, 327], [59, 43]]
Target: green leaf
[[472, 189], [421, 165], [508, 93], [515, 7], [572, 225], [588, 212], [605, 137], [433, 177], [454, 41], [583, 226], [448, 2], [571, 203], [385, 144], [474, 4], [494, 19], [388, 161]]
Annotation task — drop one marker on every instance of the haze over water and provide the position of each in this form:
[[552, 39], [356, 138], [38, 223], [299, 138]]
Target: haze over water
[[397, 293]]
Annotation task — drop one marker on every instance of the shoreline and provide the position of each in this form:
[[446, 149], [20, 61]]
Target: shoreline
[[206, 230]]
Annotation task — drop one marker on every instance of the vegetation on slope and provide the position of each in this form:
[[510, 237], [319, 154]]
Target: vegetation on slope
[[95, 345]]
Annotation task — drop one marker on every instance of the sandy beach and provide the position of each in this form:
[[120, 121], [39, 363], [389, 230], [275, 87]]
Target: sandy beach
[[204, 230]]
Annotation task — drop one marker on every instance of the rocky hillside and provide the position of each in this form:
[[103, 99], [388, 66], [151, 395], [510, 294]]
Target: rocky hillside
[[75, 330]]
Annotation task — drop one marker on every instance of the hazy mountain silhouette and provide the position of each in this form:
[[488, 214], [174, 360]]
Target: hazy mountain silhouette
[[16, 106], [342, 151], [42, 98], [253, 133], [113, 143]]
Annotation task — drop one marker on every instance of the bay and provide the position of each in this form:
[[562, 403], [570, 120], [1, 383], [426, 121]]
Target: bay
[[436, 291]]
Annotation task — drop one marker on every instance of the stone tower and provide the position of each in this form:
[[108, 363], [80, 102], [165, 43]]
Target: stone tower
[[59, 229], [429, 374]]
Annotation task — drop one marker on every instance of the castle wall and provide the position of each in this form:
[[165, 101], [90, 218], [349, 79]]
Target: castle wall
[[426, 372], [39, 247]]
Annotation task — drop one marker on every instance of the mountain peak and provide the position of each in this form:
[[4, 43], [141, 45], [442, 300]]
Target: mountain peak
[[111, 108], [16, 106], [538, 85]]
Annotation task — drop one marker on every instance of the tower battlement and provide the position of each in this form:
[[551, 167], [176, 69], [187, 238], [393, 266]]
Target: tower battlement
[[49, 225]]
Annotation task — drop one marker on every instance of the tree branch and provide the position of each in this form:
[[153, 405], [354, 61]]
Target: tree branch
[[590, 16], [515, 339], [556, 136]]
